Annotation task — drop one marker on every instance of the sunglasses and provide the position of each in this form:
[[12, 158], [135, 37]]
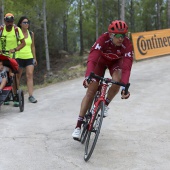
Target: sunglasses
[[25, 22], [9, 19], [119, 35]]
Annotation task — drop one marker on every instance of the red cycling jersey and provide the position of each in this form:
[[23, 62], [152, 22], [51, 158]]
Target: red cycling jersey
[[104, 54]]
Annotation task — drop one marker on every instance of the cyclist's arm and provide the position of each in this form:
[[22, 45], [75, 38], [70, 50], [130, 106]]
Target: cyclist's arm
[[94, 55], [92, 61], [127, 65], [91, 65], [126, 70]]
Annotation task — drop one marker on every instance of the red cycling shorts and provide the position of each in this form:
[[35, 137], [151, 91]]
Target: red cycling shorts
[[101, 65]]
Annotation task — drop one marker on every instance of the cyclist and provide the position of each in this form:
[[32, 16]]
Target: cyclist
[[112, 50], [9, 41]]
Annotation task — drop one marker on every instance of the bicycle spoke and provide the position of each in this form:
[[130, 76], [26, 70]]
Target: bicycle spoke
[[85, 127]]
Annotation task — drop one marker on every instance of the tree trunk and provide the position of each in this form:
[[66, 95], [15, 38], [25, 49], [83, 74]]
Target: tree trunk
[[1, 12], [103, 18], [81, 29], [168, 13], [132, 16], [45, 37], [97, 19], [65, 44], [122, 17], [158, 15]]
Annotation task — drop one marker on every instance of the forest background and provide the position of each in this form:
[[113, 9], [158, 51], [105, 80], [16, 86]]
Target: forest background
[[65, 30]]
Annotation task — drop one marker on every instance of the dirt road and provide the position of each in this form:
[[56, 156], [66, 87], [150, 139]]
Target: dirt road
[[135, 135]]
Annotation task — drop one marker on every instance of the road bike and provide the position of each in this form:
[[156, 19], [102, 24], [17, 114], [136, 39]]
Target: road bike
[[94, 117]]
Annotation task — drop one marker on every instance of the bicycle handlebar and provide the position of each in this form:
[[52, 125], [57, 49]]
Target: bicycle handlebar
[[107, 80]]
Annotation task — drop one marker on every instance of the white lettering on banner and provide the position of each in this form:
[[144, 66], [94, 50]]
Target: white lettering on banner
[[98, 47]]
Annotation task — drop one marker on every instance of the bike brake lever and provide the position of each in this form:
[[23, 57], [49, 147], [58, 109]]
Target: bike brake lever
[[90, 77]]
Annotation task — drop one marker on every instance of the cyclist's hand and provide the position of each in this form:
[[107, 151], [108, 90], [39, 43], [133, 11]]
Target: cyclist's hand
[[124, 96], [85, 82]]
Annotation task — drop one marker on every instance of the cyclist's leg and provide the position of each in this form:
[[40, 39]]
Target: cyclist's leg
[[88, 98], [85, 104], [90, 93], [115, 73], [99, 69], [114, 89]]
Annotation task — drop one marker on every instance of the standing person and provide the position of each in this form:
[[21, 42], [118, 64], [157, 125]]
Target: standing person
[[27, 57], [112, 50], [12, 40]]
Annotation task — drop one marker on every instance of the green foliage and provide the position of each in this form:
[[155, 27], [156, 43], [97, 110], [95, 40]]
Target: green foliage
[[140, 15], [144, 14]]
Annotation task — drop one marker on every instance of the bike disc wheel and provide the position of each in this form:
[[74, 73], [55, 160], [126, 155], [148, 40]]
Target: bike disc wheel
[[93, 135]]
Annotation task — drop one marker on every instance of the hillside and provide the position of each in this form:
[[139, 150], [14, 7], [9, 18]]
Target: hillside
[[66, 67]]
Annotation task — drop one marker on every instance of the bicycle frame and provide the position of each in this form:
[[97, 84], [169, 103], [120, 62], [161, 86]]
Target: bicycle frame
[[93, 123], [102, 89]]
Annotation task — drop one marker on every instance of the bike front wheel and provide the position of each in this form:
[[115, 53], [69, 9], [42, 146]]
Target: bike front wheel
[[92, 135], [84, 132]]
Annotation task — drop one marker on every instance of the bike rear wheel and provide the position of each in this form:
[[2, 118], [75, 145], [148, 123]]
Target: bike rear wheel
[[92, 135]]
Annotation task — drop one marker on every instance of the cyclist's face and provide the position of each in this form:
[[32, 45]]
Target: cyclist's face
[[118, 41]]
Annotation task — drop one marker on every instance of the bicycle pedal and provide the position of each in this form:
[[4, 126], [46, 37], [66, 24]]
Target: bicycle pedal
[[77, 139]]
